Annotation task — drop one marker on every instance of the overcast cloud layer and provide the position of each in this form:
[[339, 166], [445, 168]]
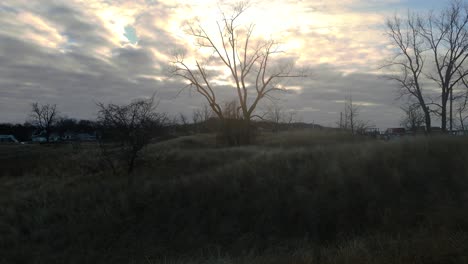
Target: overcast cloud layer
[[75, 53]]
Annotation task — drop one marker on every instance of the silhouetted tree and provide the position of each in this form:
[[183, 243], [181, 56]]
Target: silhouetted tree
[[44, 117], [462, 110], [441, 36], [278, 115], [66, 124], [247, 60], [446, 35], [130, 127], [201, 116], [407, 38], [350, 119], [413, 117]]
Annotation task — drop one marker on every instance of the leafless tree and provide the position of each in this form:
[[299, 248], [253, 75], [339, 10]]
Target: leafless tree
[[131, 127], [408, 40], [231, 110], [350, 119], [248, 61], [278, 115], [183, 119], [413, 117], [44, 117], [446, 34], [202, 114], [462, 110], [438, 40]]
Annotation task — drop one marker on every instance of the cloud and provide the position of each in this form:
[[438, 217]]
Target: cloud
[[75, 53]]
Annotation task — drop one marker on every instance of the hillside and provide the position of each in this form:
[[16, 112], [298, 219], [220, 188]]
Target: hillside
[[295, 197]]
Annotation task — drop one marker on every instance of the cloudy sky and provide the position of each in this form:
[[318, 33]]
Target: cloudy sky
[[75, 53]]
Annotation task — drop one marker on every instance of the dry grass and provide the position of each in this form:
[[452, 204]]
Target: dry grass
[[281, 202]]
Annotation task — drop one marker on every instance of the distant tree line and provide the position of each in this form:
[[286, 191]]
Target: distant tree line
[[25, 131]]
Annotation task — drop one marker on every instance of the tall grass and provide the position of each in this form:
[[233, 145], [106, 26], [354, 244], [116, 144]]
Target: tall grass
[[353, 202]]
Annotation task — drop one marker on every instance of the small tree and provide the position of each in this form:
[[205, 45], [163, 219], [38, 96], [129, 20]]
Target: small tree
[[201, 116], [278, 115], [44, 117], [350, 119], [413, 117], [129, 128]]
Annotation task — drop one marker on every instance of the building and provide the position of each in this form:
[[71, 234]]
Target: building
[[395, 131]]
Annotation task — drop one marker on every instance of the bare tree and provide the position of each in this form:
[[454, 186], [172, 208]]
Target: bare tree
[[406, 36], [350, 119], [44, 117], [278, 115], [247, 60], [183, 119], [231, 110], [131, 127], [443, 37], [200, 117], [446, 34], [462, 110], [202, 114], [413, 117]]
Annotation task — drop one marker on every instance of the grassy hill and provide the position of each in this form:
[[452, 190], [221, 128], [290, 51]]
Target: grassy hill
[[295, 197]]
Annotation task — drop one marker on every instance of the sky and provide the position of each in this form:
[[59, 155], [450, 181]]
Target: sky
[[76, 53]]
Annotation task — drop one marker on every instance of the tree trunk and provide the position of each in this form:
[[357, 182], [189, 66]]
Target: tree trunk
[[131, 165], [246, 133], [444, 115], [451, 110], [461, 121], [427, 117]]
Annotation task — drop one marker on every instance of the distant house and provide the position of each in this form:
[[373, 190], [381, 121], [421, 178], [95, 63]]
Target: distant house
[[8, 139], [71, 136], [395, 131], [86, 137]]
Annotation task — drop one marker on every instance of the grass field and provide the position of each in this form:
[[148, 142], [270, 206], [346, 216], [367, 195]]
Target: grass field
[[295, 197]]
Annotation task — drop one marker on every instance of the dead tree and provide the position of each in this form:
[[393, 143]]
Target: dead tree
[[201, 116], [247, 60], [44, 117], [277, 115], [350, 119], [462, 109], [446, 35], [129, 128], [413, 117], [408, 40], [183, 119]]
